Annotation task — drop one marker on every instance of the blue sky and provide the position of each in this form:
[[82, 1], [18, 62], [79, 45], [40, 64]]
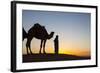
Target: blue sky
[[72, 28]]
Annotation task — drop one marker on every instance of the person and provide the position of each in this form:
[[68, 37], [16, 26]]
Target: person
[[56, 44]]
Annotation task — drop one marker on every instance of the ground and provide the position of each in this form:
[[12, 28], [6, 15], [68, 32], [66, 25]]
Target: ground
[[51, 57]]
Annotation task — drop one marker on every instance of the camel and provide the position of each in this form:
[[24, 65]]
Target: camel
[[38, 32]]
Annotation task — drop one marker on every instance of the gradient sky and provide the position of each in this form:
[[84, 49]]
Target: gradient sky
[[72, 28]]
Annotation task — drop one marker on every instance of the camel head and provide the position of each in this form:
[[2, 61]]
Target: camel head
[[50, 35]]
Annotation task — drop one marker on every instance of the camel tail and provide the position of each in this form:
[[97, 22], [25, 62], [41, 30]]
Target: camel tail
[[24, 34]]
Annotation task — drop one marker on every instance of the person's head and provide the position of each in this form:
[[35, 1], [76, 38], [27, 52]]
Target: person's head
[[56, 36]]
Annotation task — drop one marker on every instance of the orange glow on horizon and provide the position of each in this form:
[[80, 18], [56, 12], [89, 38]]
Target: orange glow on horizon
[[75, 52], [61, 51], [78, 49]]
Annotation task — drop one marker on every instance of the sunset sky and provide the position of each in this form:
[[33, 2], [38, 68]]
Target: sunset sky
[[72, 28]]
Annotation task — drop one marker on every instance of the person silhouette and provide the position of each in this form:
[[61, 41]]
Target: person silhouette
[[56, 44]]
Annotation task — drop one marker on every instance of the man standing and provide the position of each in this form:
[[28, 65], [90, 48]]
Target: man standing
[[56, 44]]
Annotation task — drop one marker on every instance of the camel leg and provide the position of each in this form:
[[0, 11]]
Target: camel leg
[[41, 46], [30, 48], [44, 46], [27, 49], [29, 44]]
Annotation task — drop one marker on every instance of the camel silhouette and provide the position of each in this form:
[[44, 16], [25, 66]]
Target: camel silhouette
[[38, 32]]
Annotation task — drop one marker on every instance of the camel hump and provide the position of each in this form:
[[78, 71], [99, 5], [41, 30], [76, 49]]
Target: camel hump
[[37, 28], [37, 25]]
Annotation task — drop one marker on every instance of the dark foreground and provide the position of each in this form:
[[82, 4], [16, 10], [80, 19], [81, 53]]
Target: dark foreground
[[51, 57]]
